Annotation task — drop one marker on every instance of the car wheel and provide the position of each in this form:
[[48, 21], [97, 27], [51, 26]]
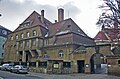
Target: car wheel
[[17, 72]]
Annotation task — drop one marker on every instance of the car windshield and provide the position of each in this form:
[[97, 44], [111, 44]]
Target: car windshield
[[24, 66], [21, 66]]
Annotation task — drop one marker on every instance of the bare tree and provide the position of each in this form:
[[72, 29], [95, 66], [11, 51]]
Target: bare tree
[[111, 13]]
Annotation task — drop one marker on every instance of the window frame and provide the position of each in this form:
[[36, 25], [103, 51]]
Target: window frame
[[22, 35], [33, 42], [34, 33], [28, 35], [16, 36], [61, 53]]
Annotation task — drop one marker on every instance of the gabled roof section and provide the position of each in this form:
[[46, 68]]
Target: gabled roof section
[[33, 20], [65, 26], [101, 36]]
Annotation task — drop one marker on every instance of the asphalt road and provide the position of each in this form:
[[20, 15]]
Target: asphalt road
[[9, 75], [31, 75]]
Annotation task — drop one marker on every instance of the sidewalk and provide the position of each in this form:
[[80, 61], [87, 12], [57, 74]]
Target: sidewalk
[[73, 76]]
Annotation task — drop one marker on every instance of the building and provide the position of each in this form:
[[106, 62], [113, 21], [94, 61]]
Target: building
[[110, 36], [60, 47], [3, 37]]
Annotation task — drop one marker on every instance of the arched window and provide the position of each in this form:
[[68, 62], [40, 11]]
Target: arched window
[[16, 36], [22, 35], [61, 53], [34, 32], [28, 34], [11, 37]]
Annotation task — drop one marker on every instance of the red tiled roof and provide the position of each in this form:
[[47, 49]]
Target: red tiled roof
[[109, 34], [34, 19], [101, 36], [65, 25], [67, 31]]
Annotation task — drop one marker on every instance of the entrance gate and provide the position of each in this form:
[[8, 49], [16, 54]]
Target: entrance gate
[[97, 64]]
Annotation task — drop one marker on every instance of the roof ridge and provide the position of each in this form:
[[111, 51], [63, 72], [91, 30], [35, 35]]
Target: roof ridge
[[107, 36]]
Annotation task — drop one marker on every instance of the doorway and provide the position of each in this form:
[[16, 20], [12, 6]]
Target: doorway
[[81, 66], [97, 63]]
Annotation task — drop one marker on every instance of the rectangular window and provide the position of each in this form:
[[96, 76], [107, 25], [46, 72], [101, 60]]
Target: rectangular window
[[32, 64], [46, 42], [67, 64], [42, 64], [21, 44], [27, 43], [33, 41]]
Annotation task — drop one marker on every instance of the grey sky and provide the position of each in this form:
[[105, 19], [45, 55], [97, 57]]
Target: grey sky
[[85, 13], [14, 12]]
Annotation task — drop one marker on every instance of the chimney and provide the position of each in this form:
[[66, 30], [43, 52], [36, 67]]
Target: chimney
[[42, 16], [60, 14]]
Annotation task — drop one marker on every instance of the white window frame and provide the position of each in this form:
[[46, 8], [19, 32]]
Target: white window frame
[[22, 35], [61, 53], [34, 32], [28, 34]]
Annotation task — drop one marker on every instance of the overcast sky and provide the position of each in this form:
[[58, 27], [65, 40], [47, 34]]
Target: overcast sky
[[84, 12]]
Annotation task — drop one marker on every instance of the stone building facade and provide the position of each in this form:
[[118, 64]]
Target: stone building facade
[[60, 47], [3, 37], [110, 36]]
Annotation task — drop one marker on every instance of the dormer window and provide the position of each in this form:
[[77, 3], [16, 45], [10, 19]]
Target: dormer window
[[68, 26], [25, 24]]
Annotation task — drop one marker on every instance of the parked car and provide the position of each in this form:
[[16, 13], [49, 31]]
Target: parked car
[[19, 69], [7, 66], [4, 66]]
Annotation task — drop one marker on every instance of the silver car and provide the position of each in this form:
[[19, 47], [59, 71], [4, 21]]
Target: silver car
[[4, 66], [19, 69]]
